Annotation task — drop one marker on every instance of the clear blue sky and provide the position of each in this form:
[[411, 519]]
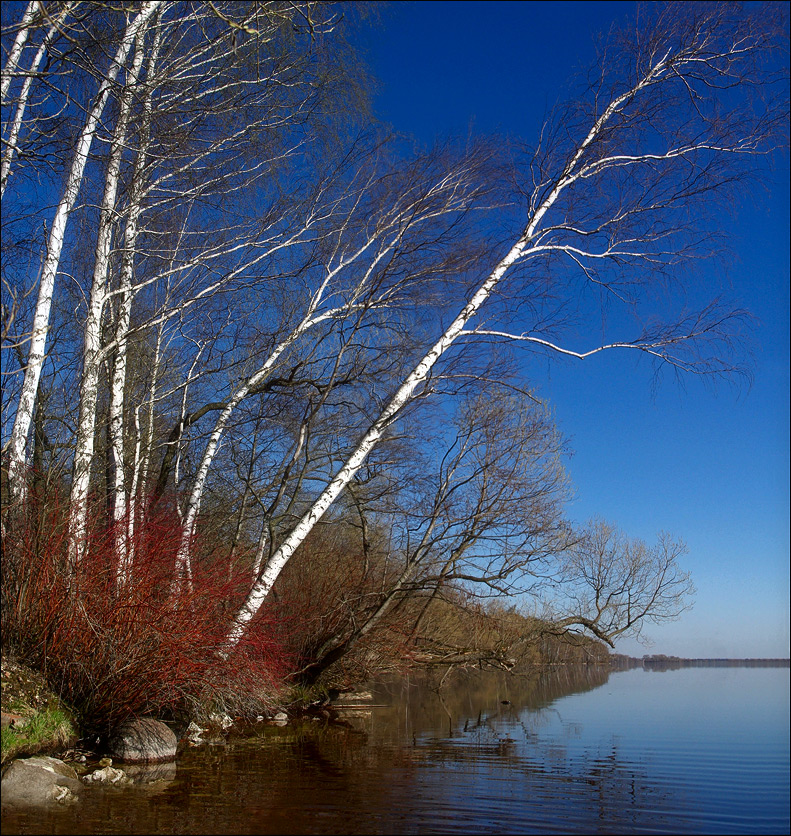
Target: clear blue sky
[[711, 466]]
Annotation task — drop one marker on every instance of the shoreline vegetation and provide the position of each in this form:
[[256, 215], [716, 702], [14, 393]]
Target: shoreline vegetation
[[36, 722], [269, 425], [42, 711], [662, 662]]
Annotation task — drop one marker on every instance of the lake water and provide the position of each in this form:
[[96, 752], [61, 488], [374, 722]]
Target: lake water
[[696, 750]]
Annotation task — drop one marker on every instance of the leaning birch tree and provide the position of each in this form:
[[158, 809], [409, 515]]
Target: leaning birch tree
[[667, 129]]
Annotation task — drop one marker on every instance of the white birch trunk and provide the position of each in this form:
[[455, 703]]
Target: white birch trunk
[[40, 329], [117, 398], [283, 554], [92, 349], [124, 533], [16, 50], [13, 134], [183, 568]]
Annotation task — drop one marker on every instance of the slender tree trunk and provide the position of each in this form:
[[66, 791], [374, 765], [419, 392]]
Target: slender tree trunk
[[12, 138], [16, 50], [40, 329], [92, 347], [121, 507]]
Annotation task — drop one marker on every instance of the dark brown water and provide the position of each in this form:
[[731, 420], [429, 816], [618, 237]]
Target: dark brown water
[[573, 751]]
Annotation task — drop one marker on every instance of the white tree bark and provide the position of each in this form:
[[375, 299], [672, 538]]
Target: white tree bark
[[572, 172], [16, 49], [40, 327], [92, 348], [124, 528], [13, 134]]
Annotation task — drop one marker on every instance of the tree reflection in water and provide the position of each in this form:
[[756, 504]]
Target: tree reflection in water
[[488, 752]]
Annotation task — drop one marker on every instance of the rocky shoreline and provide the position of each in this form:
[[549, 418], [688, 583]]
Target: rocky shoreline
[[51, 768]]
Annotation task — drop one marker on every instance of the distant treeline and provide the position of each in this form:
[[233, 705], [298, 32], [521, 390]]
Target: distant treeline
[[660, 662]]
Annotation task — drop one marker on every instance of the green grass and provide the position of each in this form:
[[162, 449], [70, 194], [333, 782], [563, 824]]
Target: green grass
[[45, 731]]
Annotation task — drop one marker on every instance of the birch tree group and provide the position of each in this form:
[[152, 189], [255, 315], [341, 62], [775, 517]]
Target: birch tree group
[[228, 294]]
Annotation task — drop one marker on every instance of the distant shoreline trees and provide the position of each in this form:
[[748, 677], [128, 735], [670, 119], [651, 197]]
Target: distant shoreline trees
[[661, 662]]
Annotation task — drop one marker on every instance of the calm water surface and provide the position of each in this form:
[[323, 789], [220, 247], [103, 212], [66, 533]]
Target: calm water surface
[[697, 750]]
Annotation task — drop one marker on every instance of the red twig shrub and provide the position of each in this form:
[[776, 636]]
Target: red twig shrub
[[112, 650]]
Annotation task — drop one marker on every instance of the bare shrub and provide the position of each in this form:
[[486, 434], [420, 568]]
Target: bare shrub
[[112, 652]]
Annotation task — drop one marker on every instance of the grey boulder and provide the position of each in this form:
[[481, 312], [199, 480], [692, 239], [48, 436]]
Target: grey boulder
[[143, 740], [32, 782]]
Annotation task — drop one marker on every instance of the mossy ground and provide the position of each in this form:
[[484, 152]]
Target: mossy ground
[[47, 724]]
